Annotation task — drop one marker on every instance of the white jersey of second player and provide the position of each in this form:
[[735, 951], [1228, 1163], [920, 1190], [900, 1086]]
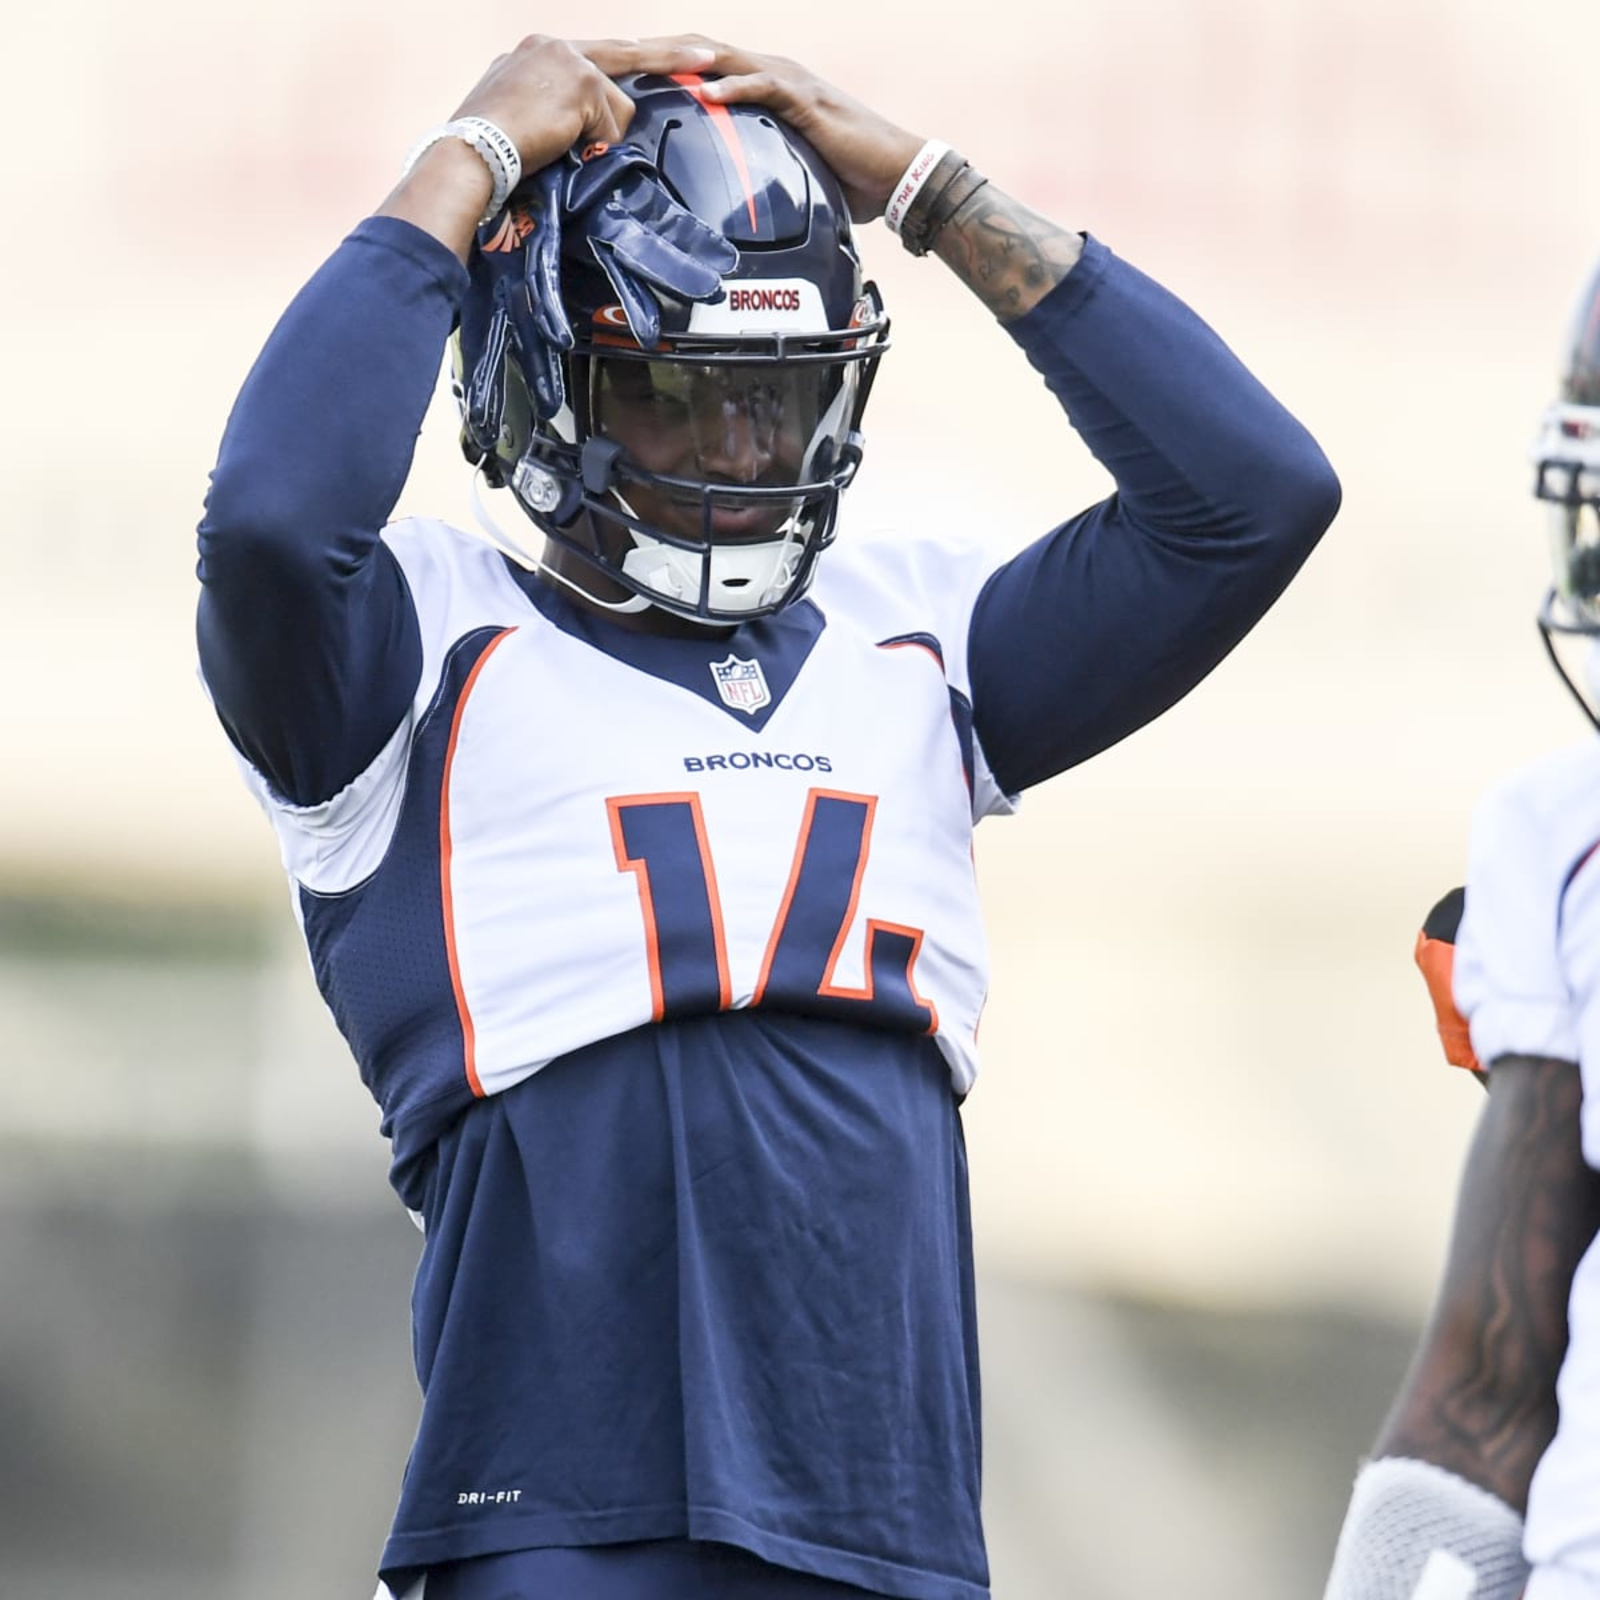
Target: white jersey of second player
[[1527, 978]]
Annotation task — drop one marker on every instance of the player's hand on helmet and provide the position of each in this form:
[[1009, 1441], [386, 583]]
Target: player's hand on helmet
[[547, 95], [551, 94], [867, 152]]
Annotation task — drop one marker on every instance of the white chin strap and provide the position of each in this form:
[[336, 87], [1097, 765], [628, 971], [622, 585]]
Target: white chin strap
[[744, 577]]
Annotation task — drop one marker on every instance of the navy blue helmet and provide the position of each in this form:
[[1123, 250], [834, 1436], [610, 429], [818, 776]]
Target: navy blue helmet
[[692, 449], [1566, 457]]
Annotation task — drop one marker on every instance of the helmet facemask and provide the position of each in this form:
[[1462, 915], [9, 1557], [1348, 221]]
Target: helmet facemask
[[1567, 468], [720, 466], [1566, 457], [1568, 480]]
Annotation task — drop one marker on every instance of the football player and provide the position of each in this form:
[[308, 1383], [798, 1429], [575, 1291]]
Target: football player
[[1498, 1418], [632, 843]]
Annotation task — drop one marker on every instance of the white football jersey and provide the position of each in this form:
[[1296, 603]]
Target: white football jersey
[[1527, 978], [780, 817]]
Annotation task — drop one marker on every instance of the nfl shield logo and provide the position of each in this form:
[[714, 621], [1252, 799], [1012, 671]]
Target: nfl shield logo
[[741, 684]]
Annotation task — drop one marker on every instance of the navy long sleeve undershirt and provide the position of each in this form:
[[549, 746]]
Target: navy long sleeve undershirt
[[307, 638], [309, 645], [1221, 495]]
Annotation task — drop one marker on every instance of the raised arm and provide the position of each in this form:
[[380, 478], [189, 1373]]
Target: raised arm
[[308, 643], [1221, 493]]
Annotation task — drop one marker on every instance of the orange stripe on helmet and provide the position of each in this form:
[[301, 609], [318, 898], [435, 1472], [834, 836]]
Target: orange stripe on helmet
[[722, 121]]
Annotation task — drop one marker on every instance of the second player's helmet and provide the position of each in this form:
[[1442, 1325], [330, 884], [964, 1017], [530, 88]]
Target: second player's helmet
[[1566, 457], [704, 473]]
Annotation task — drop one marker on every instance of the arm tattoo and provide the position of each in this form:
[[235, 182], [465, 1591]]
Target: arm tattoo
[[1010, 257], [1480, 1397]]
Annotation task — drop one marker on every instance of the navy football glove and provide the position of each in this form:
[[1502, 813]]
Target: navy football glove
[[515, 295], [641, 237]]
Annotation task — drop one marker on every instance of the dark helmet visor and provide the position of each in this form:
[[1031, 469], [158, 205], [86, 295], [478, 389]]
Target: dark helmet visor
[[747, 422]]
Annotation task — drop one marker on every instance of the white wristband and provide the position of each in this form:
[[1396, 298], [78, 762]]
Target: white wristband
[[493, 144], [1415, 1531], [917, 174]]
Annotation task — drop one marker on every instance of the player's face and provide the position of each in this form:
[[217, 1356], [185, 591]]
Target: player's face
[[742, 427]]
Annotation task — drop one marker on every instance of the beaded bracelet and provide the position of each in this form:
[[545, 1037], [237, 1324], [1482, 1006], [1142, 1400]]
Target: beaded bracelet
[[496, 147]]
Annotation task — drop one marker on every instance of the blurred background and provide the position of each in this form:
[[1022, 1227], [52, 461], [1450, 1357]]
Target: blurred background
[[1214, 1147]]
